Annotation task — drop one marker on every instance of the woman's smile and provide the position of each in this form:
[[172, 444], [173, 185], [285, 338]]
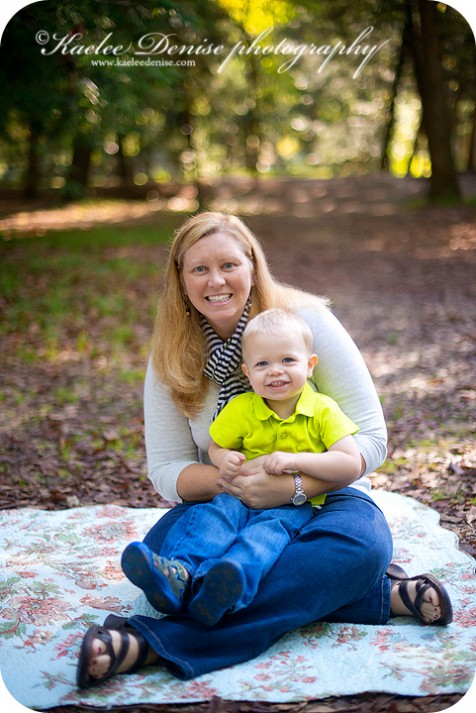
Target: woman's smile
[[219, 299]]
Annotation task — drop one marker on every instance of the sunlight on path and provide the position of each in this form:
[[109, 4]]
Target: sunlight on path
[[85, 215], [374, 195]]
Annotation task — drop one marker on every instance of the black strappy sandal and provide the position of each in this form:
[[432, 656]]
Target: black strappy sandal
[[424, 583], [113, 621], [84, 679]]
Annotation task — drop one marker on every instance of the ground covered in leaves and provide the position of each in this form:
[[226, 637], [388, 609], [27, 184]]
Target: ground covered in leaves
[[77, 294]]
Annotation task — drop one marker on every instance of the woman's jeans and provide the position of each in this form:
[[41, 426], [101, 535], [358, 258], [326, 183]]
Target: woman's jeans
[[225, 528], [334, 570]]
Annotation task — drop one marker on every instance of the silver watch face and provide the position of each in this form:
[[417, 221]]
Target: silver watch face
[[299, 499]]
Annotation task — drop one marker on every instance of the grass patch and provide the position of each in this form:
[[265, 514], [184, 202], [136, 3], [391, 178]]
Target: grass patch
[[80, 293], [132, 376], [392, 465], [98, 238]]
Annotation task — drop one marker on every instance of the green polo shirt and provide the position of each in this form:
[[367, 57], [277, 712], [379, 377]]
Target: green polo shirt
[[248, 425]]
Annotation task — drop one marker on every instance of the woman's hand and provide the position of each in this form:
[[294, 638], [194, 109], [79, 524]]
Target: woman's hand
[[255, 487]]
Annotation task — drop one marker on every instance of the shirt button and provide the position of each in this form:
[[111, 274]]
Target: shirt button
[[284, 434]]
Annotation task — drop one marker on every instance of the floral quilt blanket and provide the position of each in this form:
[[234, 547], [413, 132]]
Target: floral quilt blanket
[[60, 573]]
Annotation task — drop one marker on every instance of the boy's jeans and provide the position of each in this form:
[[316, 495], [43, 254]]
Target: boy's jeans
[[226, 528]]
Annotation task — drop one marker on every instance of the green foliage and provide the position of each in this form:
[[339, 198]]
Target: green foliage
[[257, 15], [129, 125]]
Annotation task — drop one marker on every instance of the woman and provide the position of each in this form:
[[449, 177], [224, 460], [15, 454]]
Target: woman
[[337, 569]]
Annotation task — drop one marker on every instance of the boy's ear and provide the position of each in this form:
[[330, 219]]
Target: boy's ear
[[245, 370], [312, 362]]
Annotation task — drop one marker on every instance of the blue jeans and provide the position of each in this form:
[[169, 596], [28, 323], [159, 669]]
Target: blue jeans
[[226, 528], [334, 570]]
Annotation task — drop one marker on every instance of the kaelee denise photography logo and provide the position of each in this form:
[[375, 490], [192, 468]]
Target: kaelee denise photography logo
[[166, 47]]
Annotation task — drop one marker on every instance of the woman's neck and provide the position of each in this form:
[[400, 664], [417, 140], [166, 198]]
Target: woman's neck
[[224, 331]]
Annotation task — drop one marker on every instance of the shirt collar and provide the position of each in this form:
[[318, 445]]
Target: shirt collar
[[305, 405]]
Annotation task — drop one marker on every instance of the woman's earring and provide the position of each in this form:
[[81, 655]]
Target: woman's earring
[[188, 311]]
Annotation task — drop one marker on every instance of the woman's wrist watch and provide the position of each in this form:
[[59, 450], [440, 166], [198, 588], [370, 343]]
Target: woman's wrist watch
[[299, 497]]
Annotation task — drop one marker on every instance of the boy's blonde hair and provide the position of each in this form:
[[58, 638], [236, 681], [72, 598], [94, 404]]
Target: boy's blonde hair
[[274, 322]]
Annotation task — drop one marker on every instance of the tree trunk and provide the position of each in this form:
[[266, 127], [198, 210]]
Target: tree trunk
[[124, 168], [78, 178], [252, 124], [33, 168], [431, 85], [384, 160], [471, 162], [416, 144]]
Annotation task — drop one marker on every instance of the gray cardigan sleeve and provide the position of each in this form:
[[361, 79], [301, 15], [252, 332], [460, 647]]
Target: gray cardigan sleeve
[[173, 441], [342, 374], [168, 439]]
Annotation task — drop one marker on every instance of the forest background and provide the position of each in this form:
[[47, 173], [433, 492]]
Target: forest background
[[362, 152], [108, 94]]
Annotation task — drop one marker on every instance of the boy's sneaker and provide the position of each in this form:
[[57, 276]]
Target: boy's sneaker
[[164, 582], [221, 590]]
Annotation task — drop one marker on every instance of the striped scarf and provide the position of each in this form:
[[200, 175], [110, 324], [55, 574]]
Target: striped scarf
[[224, 360]]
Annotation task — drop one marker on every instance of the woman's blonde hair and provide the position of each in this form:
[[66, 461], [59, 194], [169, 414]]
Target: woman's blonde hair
[[178, 343]]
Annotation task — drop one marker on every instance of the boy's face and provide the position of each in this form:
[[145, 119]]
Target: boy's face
[[277, 365]]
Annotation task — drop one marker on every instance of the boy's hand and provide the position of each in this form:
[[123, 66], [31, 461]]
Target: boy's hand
[[280, 462], [230, 464]]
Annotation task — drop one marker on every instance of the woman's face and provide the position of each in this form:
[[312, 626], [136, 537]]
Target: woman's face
[[217, 277]]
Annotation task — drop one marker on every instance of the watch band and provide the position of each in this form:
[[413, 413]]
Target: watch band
[[299, 497]]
